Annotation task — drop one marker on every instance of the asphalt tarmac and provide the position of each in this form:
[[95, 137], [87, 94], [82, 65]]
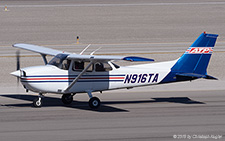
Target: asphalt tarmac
[[161, 30]]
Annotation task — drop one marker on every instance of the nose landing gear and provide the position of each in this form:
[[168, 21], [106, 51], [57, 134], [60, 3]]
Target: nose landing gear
[[38, 102]]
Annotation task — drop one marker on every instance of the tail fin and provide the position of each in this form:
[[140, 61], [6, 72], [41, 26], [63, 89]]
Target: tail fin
[[195, 60]]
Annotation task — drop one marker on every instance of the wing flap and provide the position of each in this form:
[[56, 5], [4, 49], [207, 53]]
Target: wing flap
[[106, 57]]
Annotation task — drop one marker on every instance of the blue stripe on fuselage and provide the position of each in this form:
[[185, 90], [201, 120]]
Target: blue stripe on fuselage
[[53, 81]]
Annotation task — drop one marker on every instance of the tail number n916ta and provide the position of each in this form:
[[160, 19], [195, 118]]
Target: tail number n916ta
[[141, 78]]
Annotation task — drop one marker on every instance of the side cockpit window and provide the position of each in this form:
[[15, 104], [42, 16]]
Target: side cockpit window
[[81, 65], [66, 64]]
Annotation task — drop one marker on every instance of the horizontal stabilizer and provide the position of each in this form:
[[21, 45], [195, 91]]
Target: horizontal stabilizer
[[210, 77], [192, 76]]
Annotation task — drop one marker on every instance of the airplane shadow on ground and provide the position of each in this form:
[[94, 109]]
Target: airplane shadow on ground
[[56, 102]]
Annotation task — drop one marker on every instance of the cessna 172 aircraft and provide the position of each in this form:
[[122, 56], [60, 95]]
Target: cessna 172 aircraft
[[68, 73]]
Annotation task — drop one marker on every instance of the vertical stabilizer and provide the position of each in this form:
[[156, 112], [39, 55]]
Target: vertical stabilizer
[[197, 56], [194, 62]]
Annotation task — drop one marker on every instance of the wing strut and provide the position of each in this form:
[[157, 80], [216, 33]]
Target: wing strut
[[78, 77], [44, 58]]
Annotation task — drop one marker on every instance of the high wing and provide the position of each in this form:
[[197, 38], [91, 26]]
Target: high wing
[[38, 49], [48, 51]]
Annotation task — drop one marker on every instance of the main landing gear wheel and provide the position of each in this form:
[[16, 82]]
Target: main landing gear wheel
[[94, 102], [37, 102], [67, 98]]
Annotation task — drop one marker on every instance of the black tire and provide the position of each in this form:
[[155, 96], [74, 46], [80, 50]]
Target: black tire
[[67, 98], [94, 103], [37, 102]]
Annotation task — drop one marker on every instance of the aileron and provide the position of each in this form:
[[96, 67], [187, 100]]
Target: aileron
[[38, 49]]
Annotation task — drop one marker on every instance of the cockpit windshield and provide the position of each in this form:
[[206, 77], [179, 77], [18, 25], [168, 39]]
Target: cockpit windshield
[[58, 60]]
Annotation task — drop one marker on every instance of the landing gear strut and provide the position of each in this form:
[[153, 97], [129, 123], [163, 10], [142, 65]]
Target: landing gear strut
[[94, 102], [37, 102], [67, 98]]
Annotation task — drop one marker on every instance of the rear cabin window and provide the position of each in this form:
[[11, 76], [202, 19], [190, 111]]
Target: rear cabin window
[[99, 66]]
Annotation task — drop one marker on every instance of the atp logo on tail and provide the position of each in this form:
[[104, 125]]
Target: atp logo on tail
[[199, 50]]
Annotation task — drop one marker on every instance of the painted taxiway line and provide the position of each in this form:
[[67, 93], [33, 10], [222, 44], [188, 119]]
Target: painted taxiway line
[[114, 5], [85, 44], [116, 44]]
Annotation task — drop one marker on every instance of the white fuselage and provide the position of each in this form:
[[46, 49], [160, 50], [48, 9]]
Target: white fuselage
[[51, 79]]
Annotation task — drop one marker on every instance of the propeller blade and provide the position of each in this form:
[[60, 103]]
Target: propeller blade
[[18, 81], [17, 60], [18, 64]]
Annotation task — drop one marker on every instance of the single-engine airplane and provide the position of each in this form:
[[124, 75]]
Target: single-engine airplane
[[69, 73]]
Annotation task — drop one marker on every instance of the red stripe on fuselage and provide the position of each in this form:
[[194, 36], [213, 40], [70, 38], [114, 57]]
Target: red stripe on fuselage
[[66, 78]]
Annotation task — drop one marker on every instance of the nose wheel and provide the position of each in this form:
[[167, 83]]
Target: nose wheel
[[37, 102]]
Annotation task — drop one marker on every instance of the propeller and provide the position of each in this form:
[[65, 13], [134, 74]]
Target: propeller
[[17, 60], [18, 64]]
